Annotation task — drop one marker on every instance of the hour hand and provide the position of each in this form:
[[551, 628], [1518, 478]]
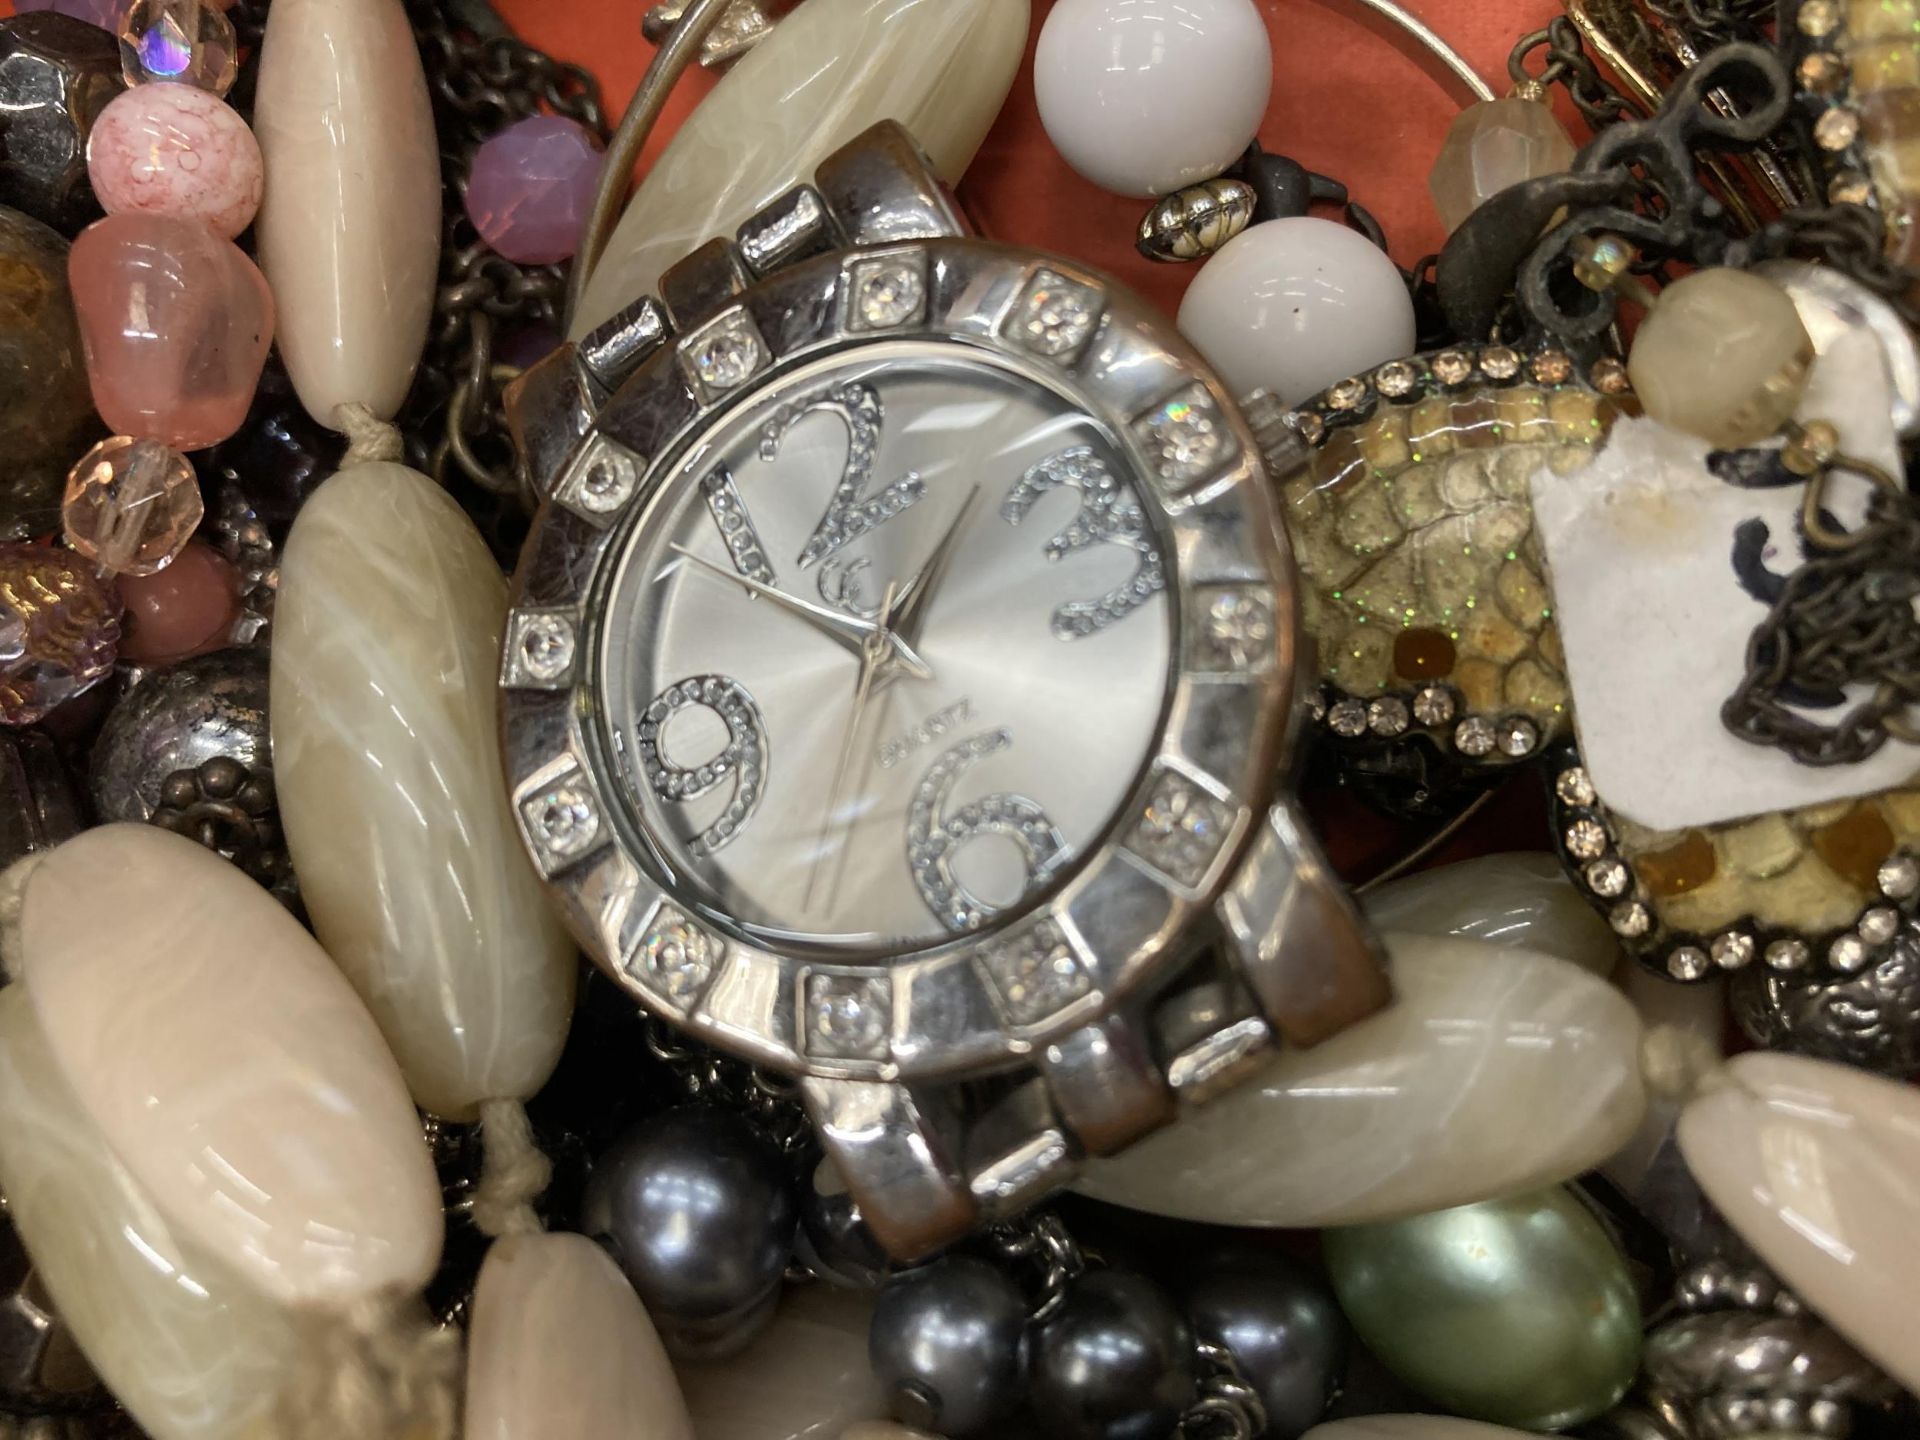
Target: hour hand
[[850, 632]]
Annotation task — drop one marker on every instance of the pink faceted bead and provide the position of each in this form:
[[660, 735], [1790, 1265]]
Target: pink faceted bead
[[131, 505], [175, 322], [532, 186], [176, 150]]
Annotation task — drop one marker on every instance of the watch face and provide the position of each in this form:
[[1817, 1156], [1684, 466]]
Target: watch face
[[886, 651]]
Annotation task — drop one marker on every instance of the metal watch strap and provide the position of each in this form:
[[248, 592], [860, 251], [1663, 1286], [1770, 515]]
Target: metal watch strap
[[926, 1162]]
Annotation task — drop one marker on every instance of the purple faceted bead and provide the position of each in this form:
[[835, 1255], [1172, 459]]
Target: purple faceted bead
[[104, 13], [532, 186]]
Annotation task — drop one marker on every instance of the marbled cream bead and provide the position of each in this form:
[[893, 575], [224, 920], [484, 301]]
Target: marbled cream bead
[[1817, 1166], [349, 230], [559, 1345], [386, 652], [229, 1066], [806, 1377], [1495, 1071], [830, 70], [190, 1350], [1523, 901]]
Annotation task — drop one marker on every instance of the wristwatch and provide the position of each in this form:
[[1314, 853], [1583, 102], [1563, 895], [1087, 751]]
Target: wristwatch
[[899, 691]]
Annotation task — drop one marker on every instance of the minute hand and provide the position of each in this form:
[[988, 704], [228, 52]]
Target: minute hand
[[910, 614]]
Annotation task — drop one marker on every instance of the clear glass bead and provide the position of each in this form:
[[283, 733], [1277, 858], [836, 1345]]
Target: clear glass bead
[[131, 505], [190, 42]]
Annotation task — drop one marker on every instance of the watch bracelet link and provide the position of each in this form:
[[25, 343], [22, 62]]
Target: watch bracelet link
[[926, 1162]]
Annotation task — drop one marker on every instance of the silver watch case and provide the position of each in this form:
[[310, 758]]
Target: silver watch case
[[964, 1006]]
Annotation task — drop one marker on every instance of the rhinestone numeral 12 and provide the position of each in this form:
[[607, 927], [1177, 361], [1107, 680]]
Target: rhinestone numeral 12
[[934, 837], [1108, 514], [742, 763], [852, 512]]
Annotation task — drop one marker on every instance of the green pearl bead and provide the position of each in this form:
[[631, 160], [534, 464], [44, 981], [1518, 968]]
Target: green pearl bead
[[1519, 1312]]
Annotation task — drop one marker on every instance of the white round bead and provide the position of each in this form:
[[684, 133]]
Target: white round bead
[[1291, 306], [1146, 96]]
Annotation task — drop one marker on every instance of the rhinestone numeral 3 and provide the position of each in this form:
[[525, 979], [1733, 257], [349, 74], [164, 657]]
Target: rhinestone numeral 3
[[934, 837], [1108, 514], [742, 763], [852, 512]]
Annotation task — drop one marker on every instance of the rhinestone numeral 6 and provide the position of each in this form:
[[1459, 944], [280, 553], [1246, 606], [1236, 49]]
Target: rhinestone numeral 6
[[852, 512], [1108, 514], [742, 763], [934, 837]]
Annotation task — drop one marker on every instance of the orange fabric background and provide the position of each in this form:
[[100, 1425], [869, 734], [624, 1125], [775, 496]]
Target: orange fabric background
[[1344, 103]]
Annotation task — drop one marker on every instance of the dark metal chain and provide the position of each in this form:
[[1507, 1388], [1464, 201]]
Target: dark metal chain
[[1227, 1408], [1844, 618], [1713, 22], [768, 1101], [1567, 64], [482, 79], [1851, 239]]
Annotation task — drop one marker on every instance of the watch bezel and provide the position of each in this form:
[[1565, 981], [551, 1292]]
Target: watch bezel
[[956, 1006]]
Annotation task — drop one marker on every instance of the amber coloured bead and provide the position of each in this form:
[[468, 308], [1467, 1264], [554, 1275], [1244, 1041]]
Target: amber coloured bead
[[1855, 846], [1423, 654], [1679, 868]]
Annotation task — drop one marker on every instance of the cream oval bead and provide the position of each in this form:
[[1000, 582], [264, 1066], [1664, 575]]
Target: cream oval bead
[[560, 1345], [1523, 901], [386, 653], [349, 227], [805, 1377], [830, 70], [190, 1350], [1495, 1071], [1817, 1166], [885, 1430], [229, 1066]]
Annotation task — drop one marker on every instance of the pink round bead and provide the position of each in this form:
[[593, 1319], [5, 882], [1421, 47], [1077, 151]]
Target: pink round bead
[[175, 322], [532, 186], [176, 150], [184, 610]]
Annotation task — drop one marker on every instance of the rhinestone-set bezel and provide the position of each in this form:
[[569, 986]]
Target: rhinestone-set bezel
[[974, 1000]]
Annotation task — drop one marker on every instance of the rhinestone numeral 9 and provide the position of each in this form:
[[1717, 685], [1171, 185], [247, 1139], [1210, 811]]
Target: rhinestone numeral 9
[[934, 837], [742, 763], [852, 512], [1108, 514]]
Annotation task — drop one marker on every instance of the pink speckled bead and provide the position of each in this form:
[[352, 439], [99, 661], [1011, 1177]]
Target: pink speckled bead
[[176, 150], [175, 322]]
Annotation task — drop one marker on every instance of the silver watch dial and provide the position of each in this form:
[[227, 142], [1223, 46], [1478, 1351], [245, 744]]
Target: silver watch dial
[[886, 651]]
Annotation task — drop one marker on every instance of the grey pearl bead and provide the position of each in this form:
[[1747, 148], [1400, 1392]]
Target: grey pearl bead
[[947, 1344], [177, 719], [1280, 1322], [695, 1207], [835, 1242], [1115, 1362]]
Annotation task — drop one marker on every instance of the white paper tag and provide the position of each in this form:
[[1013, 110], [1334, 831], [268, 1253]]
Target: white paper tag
[[1655, 619]]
